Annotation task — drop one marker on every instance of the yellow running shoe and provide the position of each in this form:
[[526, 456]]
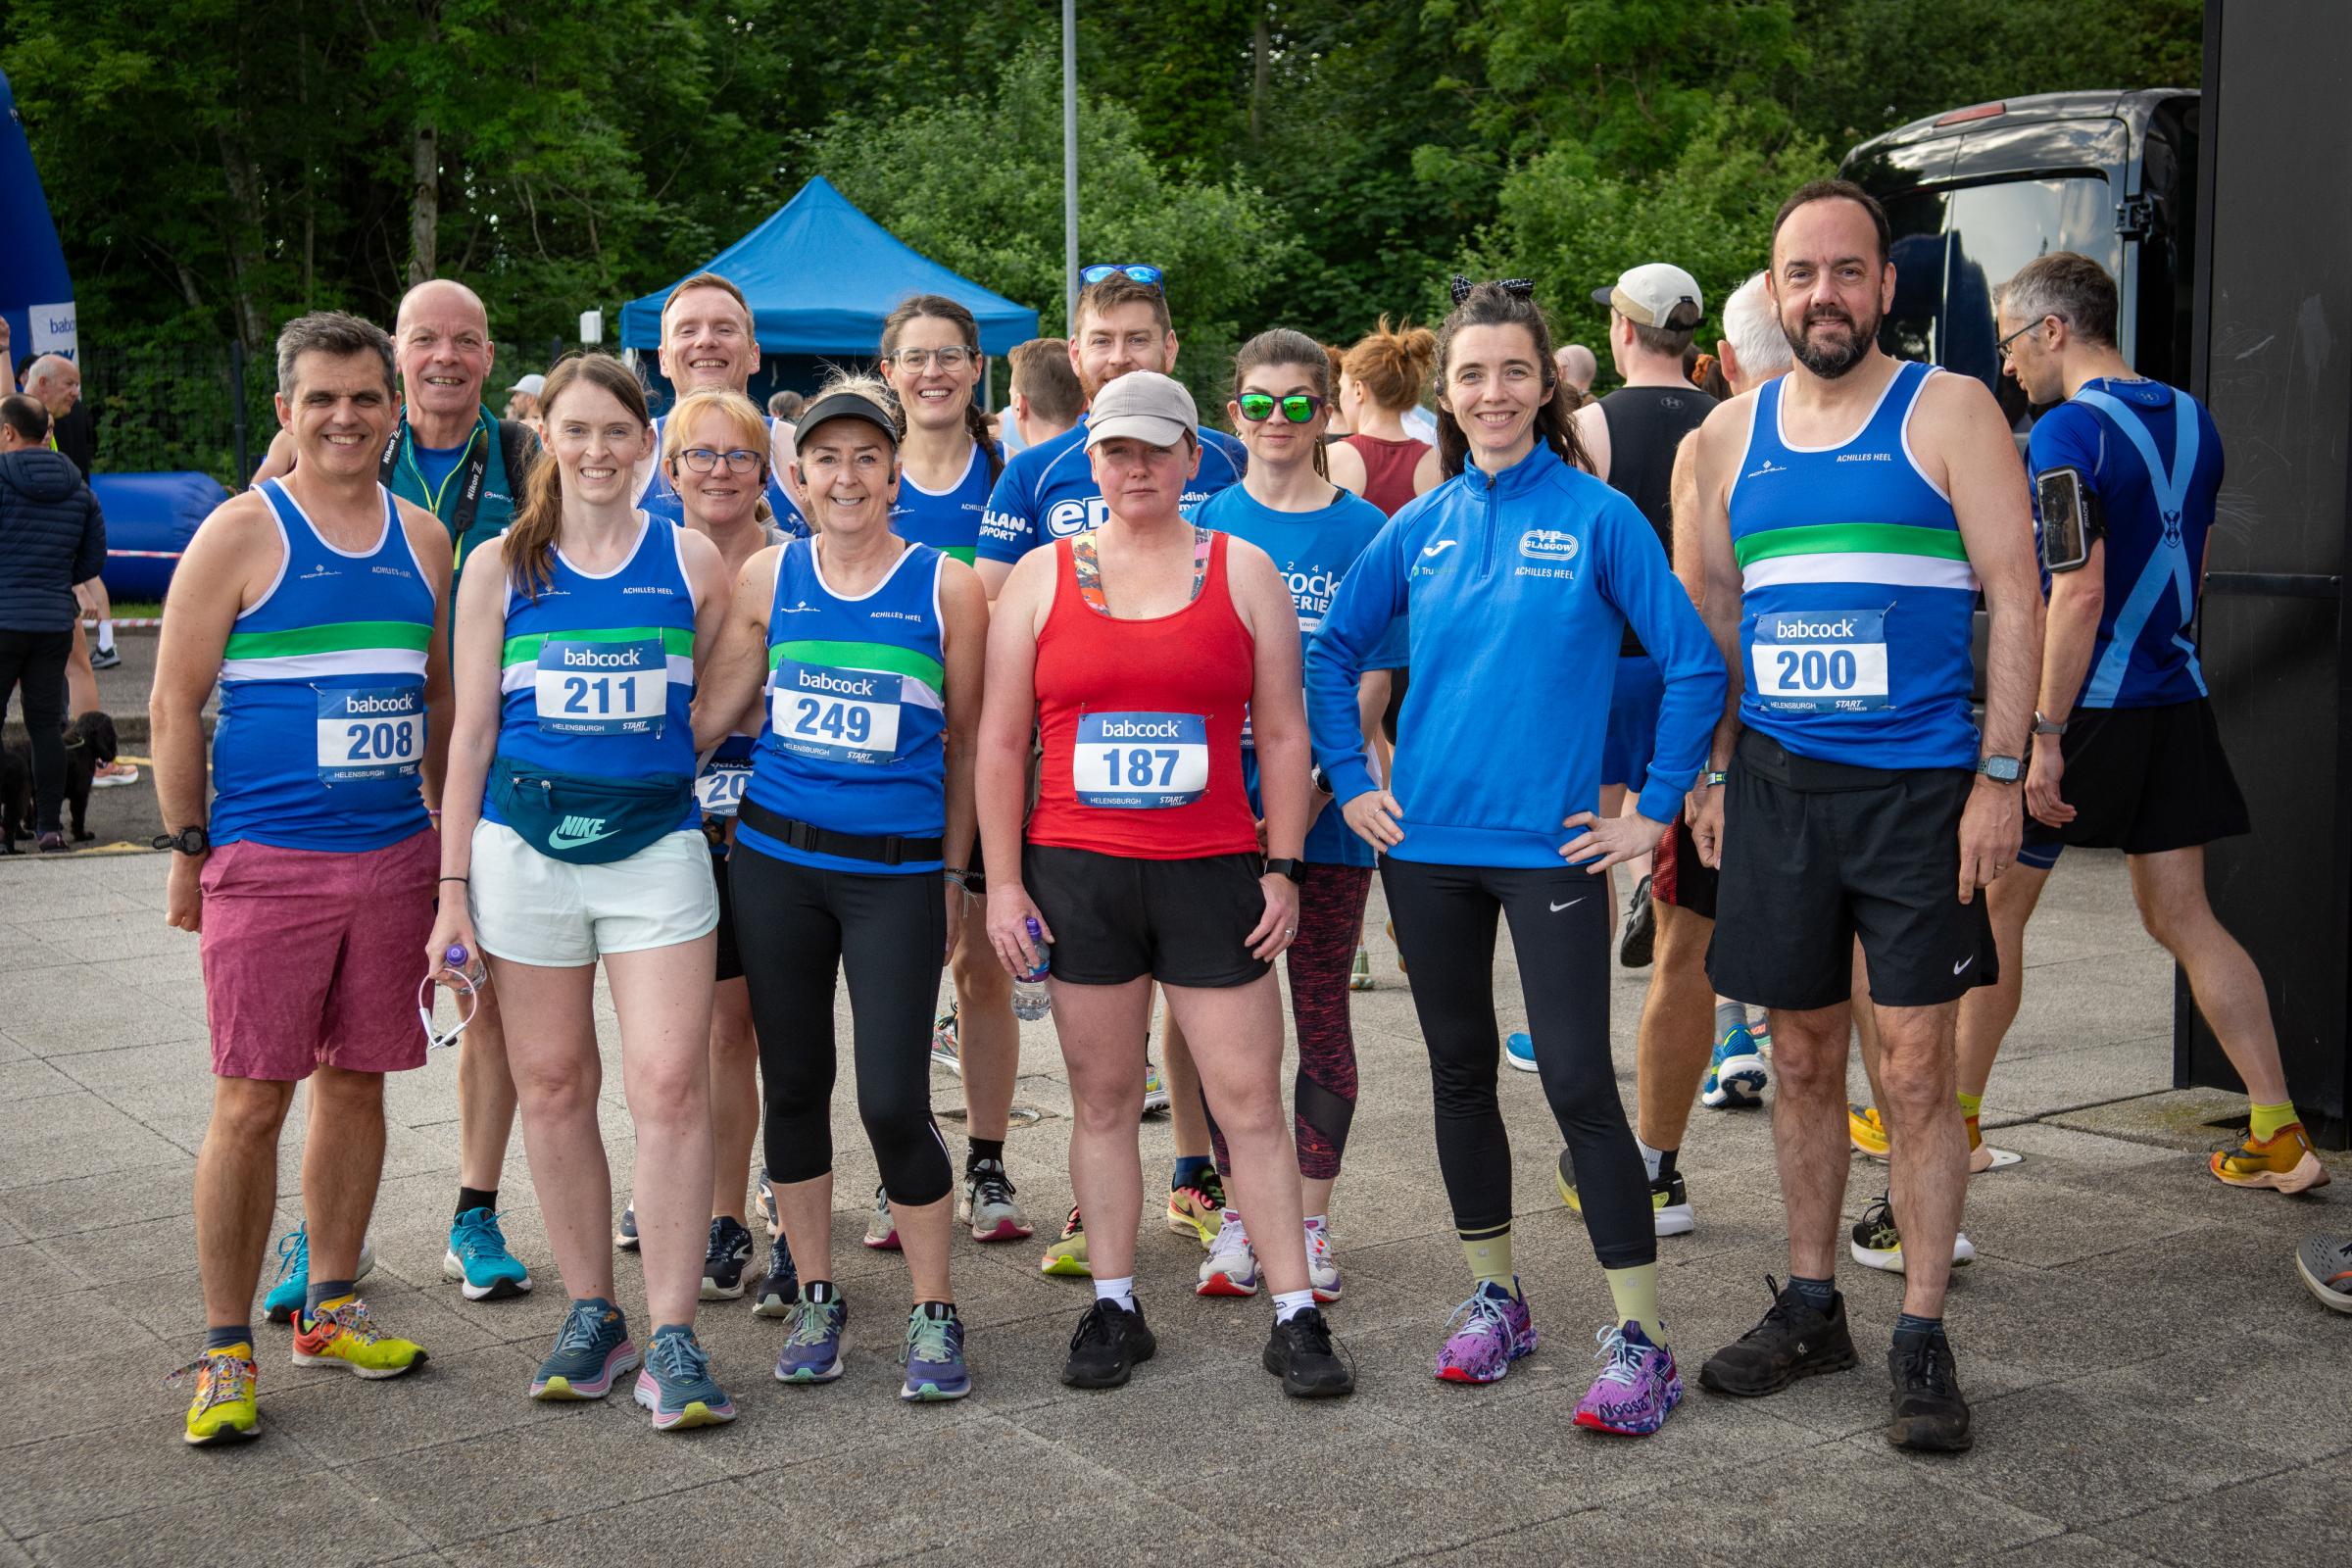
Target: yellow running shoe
[[342, 1335], [223, 1411], [1068, 1256], [2284, 1162], [1868, 1132], [1196, 1212]]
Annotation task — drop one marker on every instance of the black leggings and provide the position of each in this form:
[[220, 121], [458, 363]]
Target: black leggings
[[1560, 926], [797, 925], [1331, 922], [36, 660]]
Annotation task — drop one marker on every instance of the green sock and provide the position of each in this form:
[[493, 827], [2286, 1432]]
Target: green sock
[[1970, 1105], [2269, 1119], [1636, 1292], [1489, 1255]]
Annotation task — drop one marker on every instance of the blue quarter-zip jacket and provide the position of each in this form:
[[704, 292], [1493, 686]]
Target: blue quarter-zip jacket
[[1519, 588]]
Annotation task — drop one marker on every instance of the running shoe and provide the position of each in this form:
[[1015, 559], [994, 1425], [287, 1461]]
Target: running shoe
[[1231, 1267], [223, 1411], [812, 1351], [1670, 1213], [1519, 1049], [2283, 1162], [1877, 1244], [1637, 1388], [934, 1357], [988, 1207], [676, 1386], [1637, 937], [111, 775], [625, 1237], [1359, 973], [1736, 1075], [764, 1200], [1792, 1340], [1390, 928], [478, 1260], [1198, 1210], [1759, 1029], [1495, 1330], [105, 658], [2326, 1264], [592, 1348], [1108, 1344], [293, 1285], [943, 1052], [779, 1287], [1928, 1410], [1865, 1130], [345, 1336], [1068, 1256], [881, 1231], [1322, 1270], [1300, 1352], [725, 1257], [1156, 1092]]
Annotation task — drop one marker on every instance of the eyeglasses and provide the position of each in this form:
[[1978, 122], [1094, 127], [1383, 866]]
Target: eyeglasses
[[463, 985], [955, 356], [739, 460], [1140, 272], [2000, 349], [1298, 407]]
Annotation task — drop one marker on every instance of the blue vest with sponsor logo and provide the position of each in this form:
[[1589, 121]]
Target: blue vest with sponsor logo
[[948, 520]]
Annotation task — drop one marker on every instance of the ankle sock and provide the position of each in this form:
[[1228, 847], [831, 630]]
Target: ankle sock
[[818, 1291], [1728, 1016], [1971, 1105], [106, 636], [321, 1291], [1120, 1291], [936, 1312], [1913, 1323], [229, 1337], [1317, 1223], [1190, 1168], [1650, 1158], [1819, 1294], [1489, 1255], [1288, 1304], [980, 1150], [473, 1197], [1635, 1290], [2269, 1119]]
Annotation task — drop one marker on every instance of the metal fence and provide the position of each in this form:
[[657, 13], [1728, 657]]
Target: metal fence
[[204, 407]]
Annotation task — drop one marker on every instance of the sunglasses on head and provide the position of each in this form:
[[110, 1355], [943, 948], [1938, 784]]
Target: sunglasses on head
[[1138, 271], [1298, 407]]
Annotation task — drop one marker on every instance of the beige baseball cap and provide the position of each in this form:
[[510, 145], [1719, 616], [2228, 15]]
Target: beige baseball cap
[[1143, 406], [1656, 294]]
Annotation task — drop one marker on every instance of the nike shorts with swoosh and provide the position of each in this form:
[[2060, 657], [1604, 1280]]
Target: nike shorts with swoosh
[[530, 909], [1817, 854]]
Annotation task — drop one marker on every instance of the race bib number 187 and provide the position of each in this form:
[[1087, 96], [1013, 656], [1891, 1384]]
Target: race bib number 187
[[1820, 661], [1140, 761]]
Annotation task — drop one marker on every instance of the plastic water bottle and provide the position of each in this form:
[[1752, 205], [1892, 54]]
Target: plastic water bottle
[[1030, 998]]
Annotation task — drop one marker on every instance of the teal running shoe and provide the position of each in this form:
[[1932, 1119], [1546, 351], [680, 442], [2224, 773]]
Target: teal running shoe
[[934, 1355], [592, 1348], [293, 1287], [812, 1351], [676, 1386], [1735, 1077], [1519, 1049], [478, 1260]]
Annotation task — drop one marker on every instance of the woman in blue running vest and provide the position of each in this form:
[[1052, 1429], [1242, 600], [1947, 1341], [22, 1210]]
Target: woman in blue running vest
[[572, 830], [947, 465], [867, 650]]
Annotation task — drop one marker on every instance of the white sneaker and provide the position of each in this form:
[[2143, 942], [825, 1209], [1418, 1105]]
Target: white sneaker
[[1156, 1091], [1321, 1272], [1231, 1267]]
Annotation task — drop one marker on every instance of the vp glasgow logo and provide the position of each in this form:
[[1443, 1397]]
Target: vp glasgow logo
[[1548, 544]]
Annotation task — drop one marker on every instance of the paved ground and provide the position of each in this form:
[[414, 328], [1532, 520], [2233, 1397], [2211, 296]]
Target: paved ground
[[2151, 1382]]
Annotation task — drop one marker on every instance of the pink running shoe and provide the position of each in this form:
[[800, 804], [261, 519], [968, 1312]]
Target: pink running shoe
[[1496, 1331], [1636, 1386]]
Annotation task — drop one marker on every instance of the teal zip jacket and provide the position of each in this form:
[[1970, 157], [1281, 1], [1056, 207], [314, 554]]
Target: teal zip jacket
[[1518, 589]]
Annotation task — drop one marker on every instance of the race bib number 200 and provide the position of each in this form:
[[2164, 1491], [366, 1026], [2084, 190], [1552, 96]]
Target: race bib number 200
[[1140, 761], [1820, 661], [370, 732]]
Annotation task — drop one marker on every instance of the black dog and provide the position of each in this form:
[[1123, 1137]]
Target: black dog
[[91, 745], [16, 797]]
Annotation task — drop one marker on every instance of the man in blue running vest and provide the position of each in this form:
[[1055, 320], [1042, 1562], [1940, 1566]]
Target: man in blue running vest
[[2128, 755]]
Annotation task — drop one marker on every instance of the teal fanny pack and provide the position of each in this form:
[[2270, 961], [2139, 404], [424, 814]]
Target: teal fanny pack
[[583, 819]]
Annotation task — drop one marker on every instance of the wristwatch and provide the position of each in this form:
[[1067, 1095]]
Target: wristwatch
[[188, 841], [2001, 769], [1296, 871], [2045, 727], [1316, 781]]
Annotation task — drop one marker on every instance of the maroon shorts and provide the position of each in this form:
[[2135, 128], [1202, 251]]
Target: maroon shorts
[[313, 956], [1677, 876]]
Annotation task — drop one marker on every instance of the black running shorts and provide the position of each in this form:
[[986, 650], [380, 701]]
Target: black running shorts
[[1678, 876], [730, 957], [1817, 854], [1116, 919], [2145, 781]]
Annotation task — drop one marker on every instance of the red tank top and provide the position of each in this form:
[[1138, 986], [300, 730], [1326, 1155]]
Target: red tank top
[[1141, 723], [1388, 470]]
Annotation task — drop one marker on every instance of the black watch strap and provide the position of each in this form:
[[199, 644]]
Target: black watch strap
[[193, 840], [1296, 871]]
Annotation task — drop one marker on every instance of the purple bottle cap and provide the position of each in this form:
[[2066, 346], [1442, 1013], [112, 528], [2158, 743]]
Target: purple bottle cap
[[1035, 930], [457, 956]]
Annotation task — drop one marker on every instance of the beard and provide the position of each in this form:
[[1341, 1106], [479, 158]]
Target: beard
[[1824, 354]]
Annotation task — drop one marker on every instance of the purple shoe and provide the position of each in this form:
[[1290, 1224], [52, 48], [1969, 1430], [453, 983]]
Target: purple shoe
[[1638, 1385], [1496, 1331]]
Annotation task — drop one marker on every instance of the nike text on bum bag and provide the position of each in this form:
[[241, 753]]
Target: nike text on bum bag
[[584, 819]]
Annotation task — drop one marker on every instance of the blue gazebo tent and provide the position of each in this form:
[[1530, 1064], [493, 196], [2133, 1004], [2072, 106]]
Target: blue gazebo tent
[[35, 294]]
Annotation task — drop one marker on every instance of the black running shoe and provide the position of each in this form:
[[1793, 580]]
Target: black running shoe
[[1794, 1341], [725, 1257], [1301, 1354], [1928, 1412], [1111, 1339], [1641, 932], [780, 1286]]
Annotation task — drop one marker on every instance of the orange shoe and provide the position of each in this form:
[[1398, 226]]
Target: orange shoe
[[2284, 1162]]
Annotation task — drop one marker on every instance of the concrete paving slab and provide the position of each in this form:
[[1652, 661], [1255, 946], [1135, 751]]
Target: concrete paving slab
[[717, 1522], [64, 1136], [84, 1203], [2298, 1515], [316, 1520]]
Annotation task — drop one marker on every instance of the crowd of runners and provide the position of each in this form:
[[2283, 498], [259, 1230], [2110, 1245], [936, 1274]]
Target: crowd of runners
[[739, 707]]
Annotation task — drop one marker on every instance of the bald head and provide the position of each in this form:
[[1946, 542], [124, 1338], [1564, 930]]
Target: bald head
[[56, 381], [441, 338], [1578, 365], [440, 296]]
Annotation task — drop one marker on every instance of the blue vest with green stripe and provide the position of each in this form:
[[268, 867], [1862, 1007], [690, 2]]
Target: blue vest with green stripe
[[852, 737], [1858, 597], [321, 727], [597, 678]]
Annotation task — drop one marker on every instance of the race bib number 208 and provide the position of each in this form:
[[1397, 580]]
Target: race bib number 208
[[1820, 661], [1140, 761]]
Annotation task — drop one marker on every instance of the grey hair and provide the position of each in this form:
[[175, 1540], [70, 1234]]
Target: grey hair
[[1753, 331], [2068, 285], [329, 332]]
